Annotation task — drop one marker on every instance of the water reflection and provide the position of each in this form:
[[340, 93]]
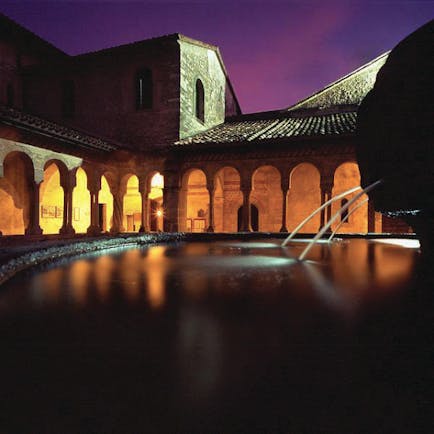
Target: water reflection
[[155, 268], [347, 271], [79, 281]]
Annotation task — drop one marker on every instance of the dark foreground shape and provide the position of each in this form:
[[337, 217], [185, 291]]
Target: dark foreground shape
[[395, 134]]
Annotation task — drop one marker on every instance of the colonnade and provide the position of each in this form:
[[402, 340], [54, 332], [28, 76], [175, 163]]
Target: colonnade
[[220, 198]]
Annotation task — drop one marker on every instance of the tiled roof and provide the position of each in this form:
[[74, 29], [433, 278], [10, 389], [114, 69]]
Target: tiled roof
[[350, 89], [292, 125], [36, 124]]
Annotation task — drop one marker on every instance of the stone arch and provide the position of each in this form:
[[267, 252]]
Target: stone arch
[[304, 197], [15, 193], [194, 201], [155, 196], [347, 175], [51, 194], [227, 199], [267, 196], [81, 202], [132, 203]]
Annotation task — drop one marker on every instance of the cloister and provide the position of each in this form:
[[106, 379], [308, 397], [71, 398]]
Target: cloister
[[53, 193]]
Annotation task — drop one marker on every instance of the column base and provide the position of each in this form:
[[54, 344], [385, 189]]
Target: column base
[[68, 230], [33, 231], [210, 229], [93, 230], [143, 229], [283, 229]]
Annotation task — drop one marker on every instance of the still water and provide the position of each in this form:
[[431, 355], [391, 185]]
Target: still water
[[208, 337]]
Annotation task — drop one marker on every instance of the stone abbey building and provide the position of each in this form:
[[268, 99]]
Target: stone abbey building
[[149, 136]]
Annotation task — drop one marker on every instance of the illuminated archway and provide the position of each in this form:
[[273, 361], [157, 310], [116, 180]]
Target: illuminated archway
[[80, 203], [105, 203], [196, 200], [15, 197], [304, 196], [267, 195], [51, 199], [347, 175], [155, 206], [132, 217], [227, 199]]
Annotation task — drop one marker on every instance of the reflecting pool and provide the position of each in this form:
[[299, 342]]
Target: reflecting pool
[[214, 337]]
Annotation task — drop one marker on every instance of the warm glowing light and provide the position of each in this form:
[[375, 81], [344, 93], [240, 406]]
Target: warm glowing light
[[159, 213], [157, 181]]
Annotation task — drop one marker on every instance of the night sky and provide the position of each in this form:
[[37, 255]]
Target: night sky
[[276, 52]]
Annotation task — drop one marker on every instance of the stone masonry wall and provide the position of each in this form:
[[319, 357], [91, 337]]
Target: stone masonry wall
[[200, 62]]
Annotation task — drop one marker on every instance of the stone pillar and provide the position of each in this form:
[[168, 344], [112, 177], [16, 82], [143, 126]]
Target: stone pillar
[[170, 205], [285, 189], [326, 194], [118, 211], [246, 224], [210, 187], [94, 228], [34, 228], [371, 216], [68, 187], [144, 188]]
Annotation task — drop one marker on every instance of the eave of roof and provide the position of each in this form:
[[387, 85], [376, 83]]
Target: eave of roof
[[283, 126], [29, 122]]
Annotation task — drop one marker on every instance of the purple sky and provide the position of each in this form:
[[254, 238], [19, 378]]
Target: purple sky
[[276, 52]]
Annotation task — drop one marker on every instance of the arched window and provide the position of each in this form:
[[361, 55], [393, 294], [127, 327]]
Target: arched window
[[344, 214], [144, 89], [68, 99], [10, 95], [200, 100]]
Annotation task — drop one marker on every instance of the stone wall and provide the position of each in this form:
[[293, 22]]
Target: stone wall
[[105, 93], [200, 62]]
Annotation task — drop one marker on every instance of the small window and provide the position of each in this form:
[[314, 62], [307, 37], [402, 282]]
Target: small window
[[144, 89], [10, 95], [344, 214], [68, 99], [200, 101]]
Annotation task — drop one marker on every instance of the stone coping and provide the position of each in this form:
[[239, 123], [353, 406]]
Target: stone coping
[[27, 254]]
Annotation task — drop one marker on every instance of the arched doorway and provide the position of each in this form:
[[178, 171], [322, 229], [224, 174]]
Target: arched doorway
[[194, 215], [346, 176], [156, 212], [227, 199], [80, 203], [254, 218], [304, 197], [132, 205], [267, 194], [15, 193], [51, 199]]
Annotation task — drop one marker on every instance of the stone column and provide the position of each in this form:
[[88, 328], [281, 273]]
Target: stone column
[[326, 194], [34, 228], [246, 225], [118, 211], [144, 189], [371, 216], [170, 205], [94, 228], [68, 187], [210, 187], [285, 189]]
